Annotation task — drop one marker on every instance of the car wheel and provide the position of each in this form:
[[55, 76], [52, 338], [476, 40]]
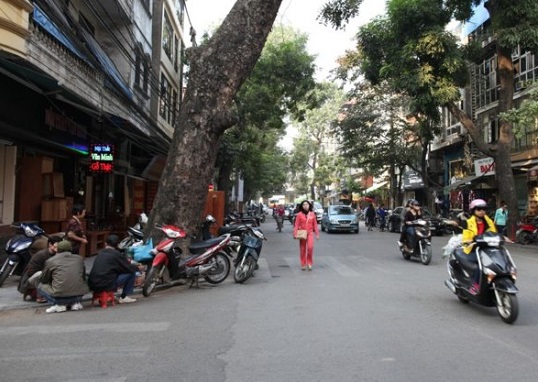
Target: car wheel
[[391, 226]]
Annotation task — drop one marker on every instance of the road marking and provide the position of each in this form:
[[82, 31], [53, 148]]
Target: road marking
[[65, 353], [126, 327]]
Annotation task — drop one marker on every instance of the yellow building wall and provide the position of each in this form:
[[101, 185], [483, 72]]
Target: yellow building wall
[[14, 26]]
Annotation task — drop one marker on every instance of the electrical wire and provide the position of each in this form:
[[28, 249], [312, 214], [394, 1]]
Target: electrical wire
[[174, 109]]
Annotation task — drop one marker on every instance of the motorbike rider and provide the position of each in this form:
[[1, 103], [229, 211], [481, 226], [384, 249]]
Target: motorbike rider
[[279, 216], [477, 224], [382, 213], [412, 213]]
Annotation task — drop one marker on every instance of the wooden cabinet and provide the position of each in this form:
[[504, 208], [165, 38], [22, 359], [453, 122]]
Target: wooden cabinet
[[30, 188], [55, 210]]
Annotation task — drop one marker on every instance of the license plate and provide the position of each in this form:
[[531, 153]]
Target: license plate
[[345, 225]]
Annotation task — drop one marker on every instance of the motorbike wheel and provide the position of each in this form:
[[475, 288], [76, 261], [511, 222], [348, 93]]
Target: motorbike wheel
[[153, 277], [223, 269], [524, 237], [507, 307], [462, 299], [7, 270], [426, 255], [245, 270], [406, 255]]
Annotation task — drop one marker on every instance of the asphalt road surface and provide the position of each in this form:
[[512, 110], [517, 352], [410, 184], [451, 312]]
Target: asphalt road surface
[[362, 314]]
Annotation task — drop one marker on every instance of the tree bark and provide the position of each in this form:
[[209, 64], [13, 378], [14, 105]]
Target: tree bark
[[500, 151], [218, 69]]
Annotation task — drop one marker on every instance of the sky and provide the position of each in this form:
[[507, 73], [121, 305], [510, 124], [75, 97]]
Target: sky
[[324, 42]]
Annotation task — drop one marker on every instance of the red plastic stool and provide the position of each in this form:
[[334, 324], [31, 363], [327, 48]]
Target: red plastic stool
[[104, 297]]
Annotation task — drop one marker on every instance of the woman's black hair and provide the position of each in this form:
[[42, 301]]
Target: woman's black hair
[[310, 206]]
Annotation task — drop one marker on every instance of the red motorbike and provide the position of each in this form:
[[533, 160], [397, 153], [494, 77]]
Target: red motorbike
[[207, 259], [527, 233]]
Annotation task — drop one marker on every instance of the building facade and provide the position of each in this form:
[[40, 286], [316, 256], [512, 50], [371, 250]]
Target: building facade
[[84, 117]]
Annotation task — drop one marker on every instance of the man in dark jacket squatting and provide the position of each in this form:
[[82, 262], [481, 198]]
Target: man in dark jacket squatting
[[111, 269]]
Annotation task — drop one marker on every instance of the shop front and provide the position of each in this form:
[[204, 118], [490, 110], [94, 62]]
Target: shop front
[[55, 154]]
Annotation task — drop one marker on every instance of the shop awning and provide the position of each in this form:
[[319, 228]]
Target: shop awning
[[462, 183], [45, 22], [532, 174], [375, 187]]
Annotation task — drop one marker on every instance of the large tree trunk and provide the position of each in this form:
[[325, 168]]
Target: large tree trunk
[[500, 150], [218, 69]]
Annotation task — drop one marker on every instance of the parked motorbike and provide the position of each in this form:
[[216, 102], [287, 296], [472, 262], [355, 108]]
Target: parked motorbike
[[236, 231], [497, 276], [423, 245], [207, 259], [527, 233], [249, 253], [235, 218], [19, 249]]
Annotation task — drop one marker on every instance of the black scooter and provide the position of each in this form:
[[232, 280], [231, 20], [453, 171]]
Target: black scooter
[[19, 249], [249, 253], [497, 285], [423, 244]]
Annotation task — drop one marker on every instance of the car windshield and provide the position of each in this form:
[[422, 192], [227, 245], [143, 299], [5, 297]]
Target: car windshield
[[341, 211], [317, 206]]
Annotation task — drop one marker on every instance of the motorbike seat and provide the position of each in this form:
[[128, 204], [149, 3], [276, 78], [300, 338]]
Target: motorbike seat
[[135, 232], [463, 259], [205, 244], [230, 228]]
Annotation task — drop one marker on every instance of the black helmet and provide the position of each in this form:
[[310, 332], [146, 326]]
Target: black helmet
[[413, 202]]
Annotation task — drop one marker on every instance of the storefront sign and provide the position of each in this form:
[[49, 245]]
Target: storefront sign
[[484, 166], [102, 158]]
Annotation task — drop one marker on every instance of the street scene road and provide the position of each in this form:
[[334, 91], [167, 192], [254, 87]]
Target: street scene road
[[362, 314]]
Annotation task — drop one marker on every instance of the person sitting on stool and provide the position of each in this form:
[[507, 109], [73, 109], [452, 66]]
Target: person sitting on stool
[[111, 269], [63, 281]]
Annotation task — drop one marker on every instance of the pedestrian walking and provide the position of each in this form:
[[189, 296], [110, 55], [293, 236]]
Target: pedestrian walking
[[501, 217], [306, 221]]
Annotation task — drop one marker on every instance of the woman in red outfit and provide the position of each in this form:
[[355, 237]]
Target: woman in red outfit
[[306, 219]]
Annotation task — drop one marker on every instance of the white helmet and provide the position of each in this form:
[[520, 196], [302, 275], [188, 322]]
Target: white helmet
[[480, 203]]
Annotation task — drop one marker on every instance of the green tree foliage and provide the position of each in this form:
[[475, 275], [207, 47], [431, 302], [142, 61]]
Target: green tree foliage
[[310, 160], [410, 49]]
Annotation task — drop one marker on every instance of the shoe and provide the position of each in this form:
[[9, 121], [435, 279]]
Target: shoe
[[126, 300], [310, 267], [303, 268], [474, 289], [400, 244], [40, 300], [56, 309], [76, 306]]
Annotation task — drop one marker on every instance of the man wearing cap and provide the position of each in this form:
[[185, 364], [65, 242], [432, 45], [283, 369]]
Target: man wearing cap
[[112, 269], [63, 281]]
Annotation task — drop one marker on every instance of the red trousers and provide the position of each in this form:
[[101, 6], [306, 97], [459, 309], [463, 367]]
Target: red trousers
[[306, 248]]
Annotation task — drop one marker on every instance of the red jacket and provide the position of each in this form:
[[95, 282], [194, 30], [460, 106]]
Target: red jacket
[[308, 222]]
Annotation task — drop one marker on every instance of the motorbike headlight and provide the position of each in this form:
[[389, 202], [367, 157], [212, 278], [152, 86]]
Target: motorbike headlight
[[513, 273], [490, 274]]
